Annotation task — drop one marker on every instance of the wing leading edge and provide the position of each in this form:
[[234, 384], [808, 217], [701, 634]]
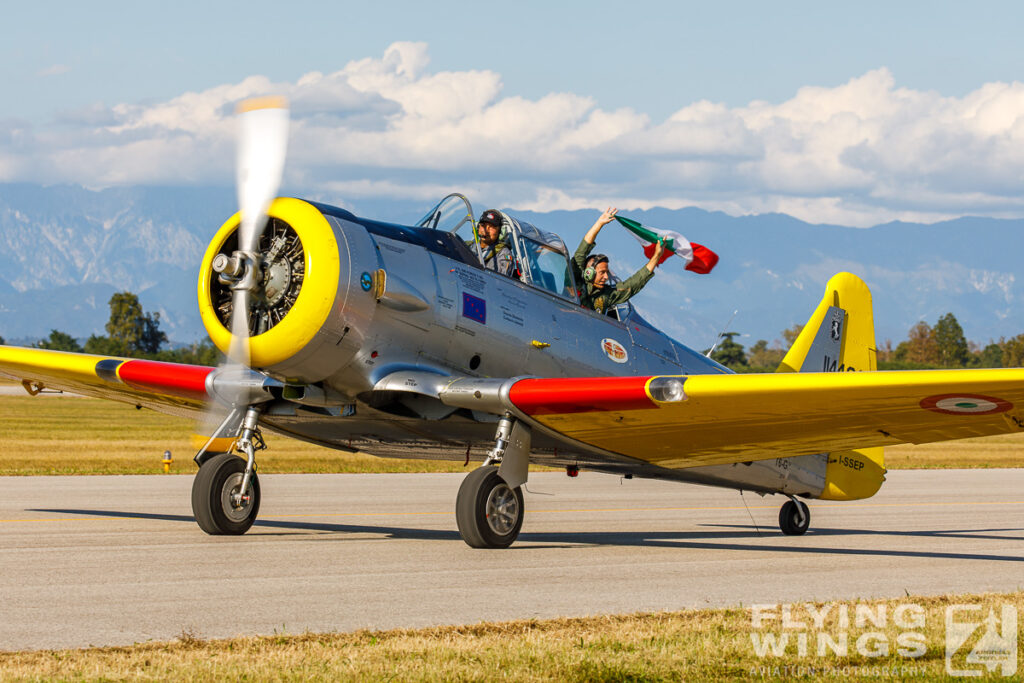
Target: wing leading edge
[[172, 388], [738, 418]]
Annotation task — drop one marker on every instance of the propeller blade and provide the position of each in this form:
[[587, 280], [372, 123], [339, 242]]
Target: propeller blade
[[238, 351], [262, 144]]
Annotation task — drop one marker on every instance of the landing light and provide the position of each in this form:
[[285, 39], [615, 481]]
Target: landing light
[[667, 389]]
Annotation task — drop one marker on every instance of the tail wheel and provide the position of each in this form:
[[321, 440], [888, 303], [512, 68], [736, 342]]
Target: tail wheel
[[213, 496], [794, 518], [488, 511]]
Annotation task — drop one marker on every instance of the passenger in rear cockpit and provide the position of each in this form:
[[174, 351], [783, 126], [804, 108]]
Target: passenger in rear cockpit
[[491, 247], [592, 270]]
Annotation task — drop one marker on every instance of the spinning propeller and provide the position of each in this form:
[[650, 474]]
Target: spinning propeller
[[236, 388]]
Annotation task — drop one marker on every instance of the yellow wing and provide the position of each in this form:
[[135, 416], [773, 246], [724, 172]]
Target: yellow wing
[[738, 418], [171, 388]]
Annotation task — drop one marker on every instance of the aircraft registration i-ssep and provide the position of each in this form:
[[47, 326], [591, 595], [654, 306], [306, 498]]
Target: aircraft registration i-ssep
[[357, 334]]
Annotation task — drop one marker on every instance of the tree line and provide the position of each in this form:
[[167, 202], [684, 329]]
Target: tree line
[[132, 333], [942, 345]]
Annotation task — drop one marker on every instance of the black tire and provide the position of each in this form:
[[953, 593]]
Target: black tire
[[789, 518], [217, 478], [489, 513]]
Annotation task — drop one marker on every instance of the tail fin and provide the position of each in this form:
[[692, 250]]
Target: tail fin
[[840, 337]]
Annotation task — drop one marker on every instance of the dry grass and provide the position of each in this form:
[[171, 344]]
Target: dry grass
[[1003, 450], [705, 645], [64, 435]]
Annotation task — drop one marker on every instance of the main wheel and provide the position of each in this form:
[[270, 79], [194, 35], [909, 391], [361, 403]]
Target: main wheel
[[213, 491], [790, 518], [489, 512]]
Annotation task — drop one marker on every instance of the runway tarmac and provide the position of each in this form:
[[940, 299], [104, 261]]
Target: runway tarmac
[[118, 559]]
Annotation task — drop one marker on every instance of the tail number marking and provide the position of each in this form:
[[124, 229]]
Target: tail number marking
[[847, 461], [830, 364]]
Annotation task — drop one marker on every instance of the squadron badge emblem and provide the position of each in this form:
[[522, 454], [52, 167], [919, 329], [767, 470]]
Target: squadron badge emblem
[[614, 350]]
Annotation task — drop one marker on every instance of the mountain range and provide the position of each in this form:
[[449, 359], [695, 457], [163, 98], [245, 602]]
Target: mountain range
[[65, 249]]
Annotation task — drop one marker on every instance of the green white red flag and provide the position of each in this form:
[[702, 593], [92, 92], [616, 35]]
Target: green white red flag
[[698, 258]]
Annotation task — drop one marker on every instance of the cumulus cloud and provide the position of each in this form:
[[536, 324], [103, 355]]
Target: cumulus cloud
[[864, 152]]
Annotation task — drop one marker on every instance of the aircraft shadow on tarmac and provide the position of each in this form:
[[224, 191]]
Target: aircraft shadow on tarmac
[[654, 539]]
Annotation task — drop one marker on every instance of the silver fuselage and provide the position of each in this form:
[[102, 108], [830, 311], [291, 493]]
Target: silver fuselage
[[446, 315]]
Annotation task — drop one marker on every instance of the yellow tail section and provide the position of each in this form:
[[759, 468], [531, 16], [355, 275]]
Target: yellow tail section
[[840, 337]]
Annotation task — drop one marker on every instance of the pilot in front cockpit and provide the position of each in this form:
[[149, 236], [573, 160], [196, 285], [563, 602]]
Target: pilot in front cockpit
[[491, 247], [592, 271]]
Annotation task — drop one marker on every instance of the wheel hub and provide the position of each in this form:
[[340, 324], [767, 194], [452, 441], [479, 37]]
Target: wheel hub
[[235, 507], [502, 509]]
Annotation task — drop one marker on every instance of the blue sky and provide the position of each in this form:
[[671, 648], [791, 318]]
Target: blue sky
[[853, 114]]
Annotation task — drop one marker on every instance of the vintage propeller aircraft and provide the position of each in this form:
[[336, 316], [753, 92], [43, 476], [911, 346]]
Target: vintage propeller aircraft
[[361, 335]]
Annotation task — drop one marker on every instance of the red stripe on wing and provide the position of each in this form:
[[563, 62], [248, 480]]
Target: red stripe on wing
[[580, 395], [171, 379]]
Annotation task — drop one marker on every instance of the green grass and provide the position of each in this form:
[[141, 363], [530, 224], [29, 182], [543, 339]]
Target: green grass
[[65, 435], [690, 645]]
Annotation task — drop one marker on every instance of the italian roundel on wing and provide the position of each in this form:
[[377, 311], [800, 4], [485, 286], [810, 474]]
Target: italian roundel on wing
[[697, 257]]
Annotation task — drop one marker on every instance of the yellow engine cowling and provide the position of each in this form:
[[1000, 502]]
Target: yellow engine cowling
[[313, 307]]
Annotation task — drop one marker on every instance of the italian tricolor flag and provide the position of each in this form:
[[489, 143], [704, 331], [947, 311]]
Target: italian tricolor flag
[[698, 258]]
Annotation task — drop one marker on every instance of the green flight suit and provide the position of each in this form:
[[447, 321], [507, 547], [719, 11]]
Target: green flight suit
[[603, 298]]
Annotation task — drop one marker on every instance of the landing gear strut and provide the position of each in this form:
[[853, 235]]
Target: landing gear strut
[[226, 491], [794, 517], [489, 507]]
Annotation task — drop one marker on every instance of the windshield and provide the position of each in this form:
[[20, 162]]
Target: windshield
[[539, 258], [547, 268], [451, 214], [620, 311]]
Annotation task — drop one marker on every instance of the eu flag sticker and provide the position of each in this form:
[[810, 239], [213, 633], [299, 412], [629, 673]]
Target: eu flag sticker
[[474, 308]]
